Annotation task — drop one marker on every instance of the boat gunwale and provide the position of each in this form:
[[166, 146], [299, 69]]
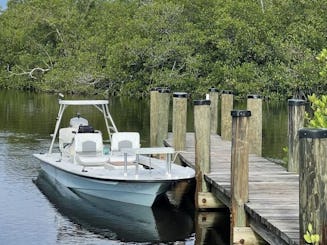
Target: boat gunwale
[[116, 180]]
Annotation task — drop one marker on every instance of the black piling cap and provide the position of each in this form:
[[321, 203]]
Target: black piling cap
[[313, 133], [254, 96], [164, 90], [240, 113], [212, 89], [155, 89], [201, 102], [227, 92], [180, 95], [296, 102]]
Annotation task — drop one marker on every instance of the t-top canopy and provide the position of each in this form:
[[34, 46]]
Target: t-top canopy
[[83, 102]]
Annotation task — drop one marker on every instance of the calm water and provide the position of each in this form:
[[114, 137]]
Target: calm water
[[33, 210]]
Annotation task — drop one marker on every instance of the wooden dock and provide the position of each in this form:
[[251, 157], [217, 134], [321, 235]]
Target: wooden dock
[[273, 207]]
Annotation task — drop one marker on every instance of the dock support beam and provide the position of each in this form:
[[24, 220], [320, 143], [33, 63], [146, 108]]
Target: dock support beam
[[203, 198], [313, 182], [254, 104], [213, 96], [227, 98], [163, 100], [239, 170], [179, 120], [296, 115]]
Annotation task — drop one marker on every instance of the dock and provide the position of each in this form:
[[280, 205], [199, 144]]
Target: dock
[[273, 206], [265, 200]]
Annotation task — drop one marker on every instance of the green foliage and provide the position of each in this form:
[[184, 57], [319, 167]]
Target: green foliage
[[285, 158], [322, 57], [310, 237], [126, 47], [319, 108]]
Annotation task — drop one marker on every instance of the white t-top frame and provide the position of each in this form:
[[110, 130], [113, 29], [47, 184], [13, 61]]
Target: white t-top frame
[[101, 105]]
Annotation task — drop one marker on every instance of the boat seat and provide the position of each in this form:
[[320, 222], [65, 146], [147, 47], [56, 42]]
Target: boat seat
[[86, 160], [88, 149], [66, 136], [75, 122], [123, 140]]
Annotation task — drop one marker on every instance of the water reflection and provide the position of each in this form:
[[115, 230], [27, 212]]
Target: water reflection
[[115, 220]]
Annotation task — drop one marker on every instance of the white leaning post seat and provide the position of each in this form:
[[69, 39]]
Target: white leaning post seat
[[66, 136], [89, 149], [75, 122], [125, 140]]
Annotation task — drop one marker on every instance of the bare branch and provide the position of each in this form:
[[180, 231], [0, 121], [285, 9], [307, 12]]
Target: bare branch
[[49, 57], [174, 65], [31, 72]]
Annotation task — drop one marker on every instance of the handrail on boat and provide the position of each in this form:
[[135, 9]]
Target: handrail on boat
[[148, 151]]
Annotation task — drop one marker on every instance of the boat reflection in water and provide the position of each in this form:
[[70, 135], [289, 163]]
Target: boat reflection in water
[[115, 220]]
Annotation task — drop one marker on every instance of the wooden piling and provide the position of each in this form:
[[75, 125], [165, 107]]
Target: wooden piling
[[239, 168], [226, 121], [163, 100], [254, 104], [213, 96], [203, 198], [153, 116], [313, 182], [296, 115], [179, 120], [202, 142]]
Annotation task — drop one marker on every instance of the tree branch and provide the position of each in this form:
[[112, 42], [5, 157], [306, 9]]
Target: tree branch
[[31, 72]]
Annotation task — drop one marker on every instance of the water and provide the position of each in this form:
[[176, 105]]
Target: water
[[42, 212]]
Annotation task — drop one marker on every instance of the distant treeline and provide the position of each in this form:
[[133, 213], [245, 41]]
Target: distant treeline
[[125, 47]]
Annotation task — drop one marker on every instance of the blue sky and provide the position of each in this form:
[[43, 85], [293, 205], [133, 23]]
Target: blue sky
[[3, 3]]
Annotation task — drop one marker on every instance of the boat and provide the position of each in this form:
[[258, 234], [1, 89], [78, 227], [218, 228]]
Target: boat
[[117, 168]]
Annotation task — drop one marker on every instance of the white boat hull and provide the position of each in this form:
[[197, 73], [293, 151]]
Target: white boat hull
[[135, 191]]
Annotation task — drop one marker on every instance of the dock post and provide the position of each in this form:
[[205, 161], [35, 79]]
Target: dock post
[[313, 183], [203, 198], [296, 115], [213, 96], [153, 116], [254, 104], [163, 100], [239, 169], [179, 120], [226, 121]]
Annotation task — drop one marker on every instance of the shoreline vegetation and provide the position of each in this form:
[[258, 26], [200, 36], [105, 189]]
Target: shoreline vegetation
[[127, 47]]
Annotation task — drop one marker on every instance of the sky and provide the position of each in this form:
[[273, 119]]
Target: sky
[[3, 4]]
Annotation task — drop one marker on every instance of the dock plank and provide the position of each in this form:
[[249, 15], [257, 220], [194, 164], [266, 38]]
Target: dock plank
[[273, 206]]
